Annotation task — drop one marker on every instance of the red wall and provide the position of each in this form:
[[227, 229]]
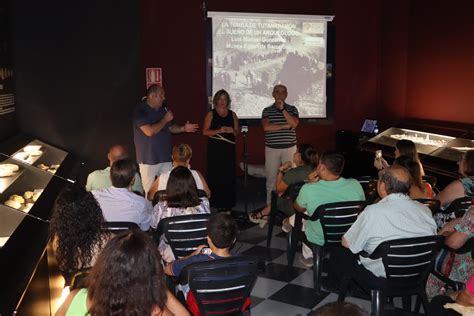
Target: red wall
[[173, 38], [427, 61], [441, 61]]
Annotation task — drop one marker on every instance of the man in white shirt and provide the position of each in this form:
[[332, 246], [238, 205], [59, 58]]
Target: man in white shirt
[[396, 216], [119, 203], [100, 179]]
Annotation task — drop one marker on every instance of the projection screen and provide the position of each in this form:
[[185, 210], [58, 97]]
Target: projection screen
[[252, 52]]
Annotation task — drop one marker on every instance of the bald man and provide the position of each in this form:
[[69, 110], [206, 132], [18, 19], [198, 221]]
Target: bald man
[[100, 179], [152, 128], [395, 216]]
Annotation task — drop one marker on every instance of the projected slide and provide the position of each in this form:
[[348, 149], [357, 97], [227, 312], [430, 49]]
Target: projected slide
[[253, 52]]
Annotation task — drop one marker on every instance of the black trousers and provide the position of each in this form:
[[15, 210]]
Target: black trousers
[[435, 308]]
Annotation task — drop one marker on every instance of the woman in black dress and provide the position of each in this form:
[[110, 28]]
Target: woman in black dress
[[221, 126]]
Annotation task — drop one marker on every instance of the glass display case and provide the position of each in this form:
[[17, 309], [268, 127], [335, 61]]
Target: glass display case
[[454, 150], [24, 175], [439, 154], [32, 174], [425, 142], [41, 155]]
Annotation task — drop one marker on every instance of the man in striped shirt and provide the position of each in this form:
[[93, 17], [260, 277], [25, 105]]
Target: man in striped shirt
[[279, 122]]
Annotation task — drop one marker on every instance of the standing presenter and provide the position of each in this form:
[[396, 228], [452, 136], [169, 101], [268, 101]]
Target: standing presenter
[[152, 128], [221, 125], [279, 121]]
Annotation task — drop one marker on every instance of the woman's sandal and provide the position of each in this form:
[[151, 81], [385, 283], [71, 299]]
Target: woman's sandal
[[259, 218]]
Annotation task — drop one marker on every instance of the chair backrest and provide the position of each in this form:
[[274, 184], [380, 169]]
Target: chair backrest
[[183, 233], [293, 190], [118, 227], [369, 185], [433, 205], [408, 261], [337, 218], [221, 286], [459, 206]]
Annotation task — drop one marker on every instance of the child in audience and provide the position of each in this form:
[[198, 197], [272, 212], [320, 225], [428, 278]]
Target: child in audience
[[403, 147], [222, 232]]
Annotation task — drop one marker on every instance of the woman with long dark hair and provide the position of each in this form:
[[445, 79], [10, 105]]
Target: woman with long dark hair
[[75, 227], [181, 199], [127, 279], [403, 147]]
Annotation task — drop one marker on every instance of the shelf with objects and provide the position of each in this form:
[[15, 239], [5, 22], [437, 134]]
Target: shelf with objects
[[438, 153], [27, 194]]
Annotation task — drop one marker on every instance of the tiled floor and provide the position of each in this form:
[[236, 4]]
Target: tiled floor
[[278, 290]]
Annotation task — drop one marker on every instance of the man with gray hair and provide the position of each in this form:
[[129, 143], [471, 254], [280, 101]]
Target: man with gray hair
[[279, 121], [395, 216]]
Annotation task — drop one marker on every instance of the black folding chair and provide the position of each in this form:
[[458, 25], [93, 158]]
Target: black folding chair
[[407, 264], [118, 227], [222, 286], [433, 205], [80, 279], [291, 193], [183, 233], [459, 206], [335, 219], [369, 185]]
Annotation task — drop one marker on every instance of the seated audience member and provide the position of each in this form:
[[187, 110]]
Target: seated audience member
[[328, 187], [403, 147], [457, 303], [418, 189], [395, 216], [339, 309], [304, 161], [463, 186], [100, 179], [75, 227], [181, 199], [457, 267], [127, 279], [119, 203], [181, 156], [222, 233]]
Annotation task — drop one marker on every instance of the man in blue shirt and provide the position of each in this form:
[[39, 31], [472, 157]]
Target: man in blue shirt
[[152, 128]]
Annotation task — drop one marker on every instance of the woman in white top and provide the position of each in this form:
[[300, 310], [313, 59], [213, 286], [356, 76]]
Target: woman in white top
[[181, 156]]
